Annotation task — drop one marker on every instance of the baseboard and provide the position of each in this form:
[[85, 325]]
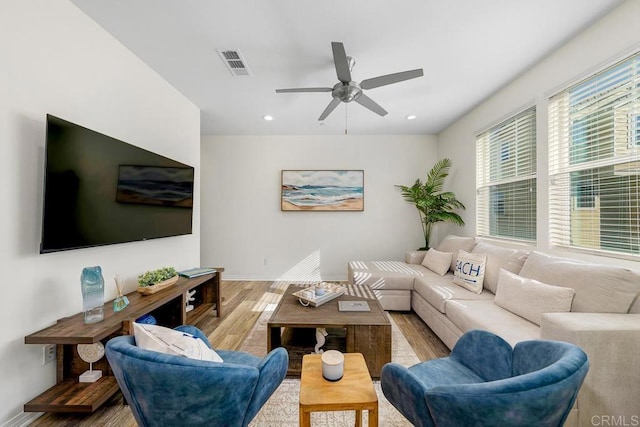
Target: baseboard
[[23, 419], [242, 278]]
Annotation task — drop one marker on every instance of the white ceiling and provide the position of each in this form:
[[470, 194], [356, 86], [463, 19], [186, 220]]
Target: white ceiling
[[467, 48]]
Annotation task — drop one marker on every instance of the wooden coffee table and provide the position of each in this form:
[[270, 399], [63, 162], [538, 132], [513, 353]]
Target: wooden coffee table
[[353, 392], [367, 332]]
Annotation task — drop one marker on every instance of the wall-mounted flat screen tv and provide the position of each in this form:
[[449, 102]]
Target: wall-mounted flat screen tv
[[99, 190]]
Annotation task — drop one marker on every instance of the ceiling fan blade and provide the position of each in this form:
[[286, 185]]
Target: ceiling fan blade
[[305, 89], [369, 103], [332, 106], [391, 78], [341, 62]]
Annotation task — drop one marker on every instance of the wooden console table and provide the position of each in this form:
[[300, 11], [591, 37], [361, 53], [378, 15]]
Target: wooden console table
[[167, 306]]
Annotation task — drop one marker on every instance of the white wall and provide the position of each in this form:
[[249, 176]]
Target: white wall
[[54, 59], [608, 40], [242, 224]]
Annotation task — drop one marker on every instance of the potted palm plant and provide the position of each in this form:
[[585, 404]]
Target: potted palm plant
[[433, 204]]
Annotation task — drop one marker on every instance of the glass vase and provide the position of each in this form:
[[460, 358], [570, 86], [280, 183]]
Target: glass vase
[[92, 284]]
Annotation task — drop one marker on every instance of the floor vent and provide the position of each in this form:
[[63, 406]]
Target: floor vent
[[234, 61]]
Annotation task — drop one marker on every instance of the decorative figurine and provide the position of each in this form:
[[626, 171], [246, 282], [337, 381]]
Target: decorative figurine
[[90, 353], [190, 298]]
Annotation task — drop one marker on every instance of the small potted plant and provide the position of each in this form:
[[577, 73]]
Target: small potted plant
[[156, 280]]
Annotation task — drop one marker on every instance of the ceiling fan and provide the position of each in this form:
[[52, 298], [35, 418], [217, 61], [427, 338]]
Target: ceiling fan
[[347, 90]]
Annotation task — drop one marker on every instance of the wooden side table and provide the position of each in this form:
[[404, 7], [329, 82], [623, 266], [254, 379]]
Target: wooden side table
[[353, 392]]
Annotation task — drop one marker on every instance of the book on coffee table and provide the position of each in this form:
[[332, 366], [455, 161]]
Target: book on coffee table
[[353, 306]]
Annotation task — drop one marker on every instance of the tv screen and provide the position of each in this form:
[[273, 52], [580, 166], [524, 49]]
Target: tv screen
[[100, 191]]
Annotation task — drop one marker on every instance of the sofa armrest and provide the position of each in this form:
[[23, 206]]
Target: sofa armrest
[[612, 343], [414, 257]]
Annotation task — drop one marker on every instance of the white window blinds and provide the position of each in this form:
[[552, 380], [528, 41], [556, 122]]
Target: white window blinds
[[506, 179], [594, 162]]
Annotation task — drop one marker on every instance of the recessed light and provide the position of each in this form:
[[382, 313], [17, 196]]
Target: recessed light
[[267, 118], [410, 117]]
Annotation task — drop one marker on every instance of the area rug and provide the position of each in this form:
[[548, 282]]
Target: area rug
[[282, 408]]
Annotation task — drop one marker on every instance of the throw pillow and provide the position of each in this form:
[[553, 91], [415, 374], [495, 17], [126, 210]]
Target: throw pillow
[[169, 341], [469, 271], [453, 244], [437, 261], [529, 298]]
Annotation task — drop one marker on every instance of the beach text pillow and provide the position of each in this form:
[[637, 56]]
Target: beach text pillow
[[469, 271]]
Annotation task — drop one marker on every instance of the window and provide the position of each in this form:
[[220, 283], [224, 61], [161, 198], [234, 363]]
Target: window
[[634, 130], [594, 162], [506, 179], [583, 189]]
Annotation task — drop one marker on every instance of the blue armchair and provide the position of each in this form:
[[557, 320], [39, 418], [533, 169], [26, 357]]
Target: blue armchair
[[166, 390], [486, 382]]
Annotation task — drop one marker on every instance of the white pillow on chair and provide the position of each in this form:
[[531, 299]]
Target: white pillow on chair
[[169, 341]]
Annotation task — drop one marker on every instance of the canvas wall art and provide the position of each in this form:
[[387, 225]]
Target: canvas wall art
[[322, 190], [155, 185]]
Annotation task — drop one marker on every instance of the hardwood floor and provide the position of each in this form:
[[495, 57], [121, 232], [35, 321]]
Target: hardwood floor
[[242, 304]]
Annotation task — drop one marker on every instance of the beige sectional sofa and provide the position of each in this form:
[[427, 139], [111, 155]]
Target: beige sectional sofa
[[604, 316]]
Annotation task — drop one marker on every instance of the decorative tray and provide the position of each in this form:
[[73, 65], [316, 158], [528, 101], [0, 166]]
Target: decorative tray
[[307, 296], [152, 289]]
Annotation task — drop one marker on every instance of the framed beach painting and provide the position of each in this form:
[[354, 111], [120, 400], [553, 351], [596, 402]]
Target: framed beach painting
[[322, 190]]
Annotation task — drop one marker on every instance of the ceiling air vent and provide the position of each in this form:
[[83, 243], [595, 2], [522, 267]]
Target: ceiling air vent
[[234, 61]]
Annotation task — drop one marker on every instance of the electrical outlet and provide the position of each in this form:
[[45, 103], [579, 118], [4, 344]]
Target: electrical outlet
[[48, 353], [266, 262]]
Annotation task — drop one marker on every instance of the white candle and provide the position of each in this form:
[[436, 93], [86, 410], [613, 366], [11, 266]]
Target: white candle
[[332, 365]]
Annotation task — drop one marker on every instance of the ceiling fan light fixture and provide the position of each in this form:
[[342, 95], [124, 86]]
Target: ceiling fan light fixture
[[347, 92]]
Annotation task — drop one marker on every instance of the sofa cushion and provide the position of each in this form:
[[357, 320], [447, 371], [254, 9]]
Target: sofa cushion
[[414, 257], [467, 315], [499, 257], [385, 274], [438, 289], [453, 244], [599, 288], [438, 262], [469, 272], [529, 298]]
